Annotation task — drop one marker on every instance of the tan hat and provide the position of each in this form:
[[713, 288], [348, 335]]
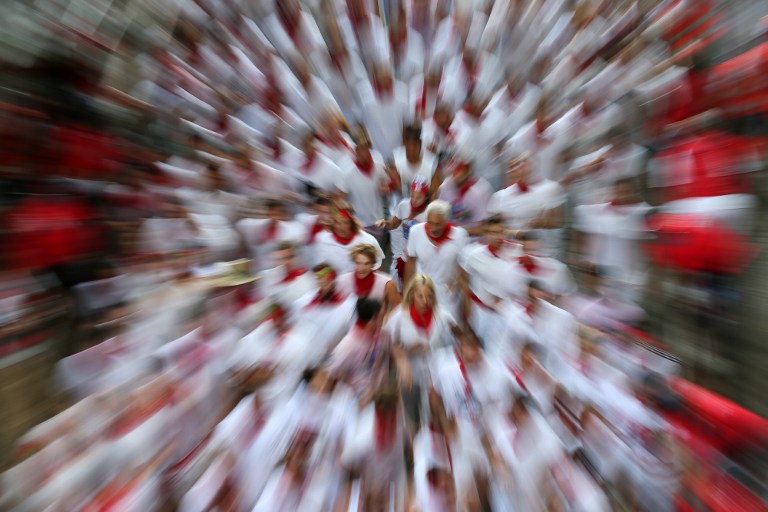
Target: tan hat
[[238, 274]]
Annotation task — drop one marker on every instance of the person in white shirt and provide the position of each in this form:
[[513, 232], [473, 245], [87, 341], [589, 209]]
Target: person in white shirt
[[384, 111], [351, 359], [531, 264], [346, 232], [363, 282], [433, 249], [412, 160], [482, 265], [366, 180], [288, 281], [262, 236], [317, 171], [415, 330], [467, 194], [529, 204], [405, 215]]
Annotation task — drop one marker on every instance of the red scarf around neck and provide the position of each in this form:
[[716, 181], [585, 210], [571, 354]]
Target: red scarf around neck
[[343, 241], [291, 275], [365, 169], [271, 231], [333, 298], [364, 286], [522, 186], [494, 252], [422, 322], [416, 210], [442, 238], [528, 263], [462, 190]]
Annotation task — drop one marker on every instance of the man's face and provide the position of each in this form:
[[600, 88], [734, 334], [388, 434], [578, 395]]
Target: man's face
[[436, 224], [471, 354], [494, 235], [323, 212], [276, 213], [461, 173], [418, 198], [286, 257], [342, 226], [363, 152], [413, 148], [363, 265]]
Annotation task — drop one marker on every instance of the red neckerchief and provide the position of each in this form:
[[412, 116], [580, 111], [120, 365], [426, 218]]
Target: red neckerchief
[[276, 149], [365, 169], [518, 374], [464, 374], [494, 252], [308, 163], [316, 229], [343, 241], [442, 238], [422, 322], [293, 274], [522, 186], [386, 427], [462, 190], [400, 268], [479, 302], [271, 231], [528, 263], [529, 311], [416, 210], [334, 298], [364, 286]]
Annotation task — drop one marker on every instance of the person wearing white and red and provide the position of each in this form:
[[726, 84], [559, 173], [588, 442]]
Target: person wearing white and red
[[262, 236], [346, 232], [350, 360], [528, 203], [315, 169], [384, 111], [433, 249], [288, 281], [366, 181], [612, 236], [415, 330], [467, 194], [363, 282], [530, 264], [412, 160], [487, 279], [436, 131], [407, 213]]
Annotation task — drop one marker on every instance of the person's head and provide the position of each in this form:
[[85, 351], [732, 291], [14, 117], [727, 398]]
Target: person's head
[[421, 293], [383, 79], [319, 380], [518, 170], [308, 145], [323, 207], [326, 278], [344, 222], [537, 291], [364, 257], [362, 144], [285, 254], [277, 315], [530, 354], [521, 411], [214, 178], [624, 190], [443, 116], [530, 242], [438, 215], [471, 352], [494, 231], [440, 481], [412, 143], [276, 210], [461, 172], [367, 310], [419, 191]]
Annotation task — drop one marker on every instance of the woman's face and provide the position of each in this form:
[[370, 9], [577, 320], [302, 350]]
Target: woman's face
[[363, 265], [423, 298]]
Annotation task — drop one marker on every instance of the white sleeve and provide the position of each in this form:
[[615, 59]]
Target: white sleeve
[[411, 250]]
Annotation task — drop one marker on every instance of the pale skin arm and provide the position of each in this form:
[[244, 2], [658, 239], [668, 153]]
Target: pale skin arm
[[391, 297], [549, 219], [389, 225]]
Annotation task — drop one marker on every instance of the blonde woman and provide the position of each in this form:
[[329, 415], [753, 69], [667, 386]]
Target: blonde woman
[[364, 282], [415, 330]]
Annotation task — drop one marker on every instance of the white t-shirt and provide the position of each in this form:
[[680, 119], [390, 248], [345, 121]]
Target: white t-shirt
[[439, 263], [363, 190], [469, 207], [425, 167], [329, 250], [346, 283], [485, 269], [398, 238], [262, 245], [520, 208]]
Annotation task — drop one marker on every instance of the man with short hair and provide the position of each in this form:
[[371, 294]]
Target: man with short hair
[[433, 249]]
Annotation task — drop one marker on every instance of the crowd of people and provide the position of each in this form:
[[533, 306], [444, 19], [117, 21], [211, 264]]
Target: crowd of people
[[395, 259]]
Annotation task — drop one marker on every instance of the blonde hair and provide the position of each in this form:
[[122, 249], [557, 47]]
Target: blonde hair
[[417, 281], [367, 250]]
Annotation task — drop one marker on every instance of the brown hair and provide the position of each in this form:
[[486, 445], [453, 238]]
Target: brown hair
[[367, 250]]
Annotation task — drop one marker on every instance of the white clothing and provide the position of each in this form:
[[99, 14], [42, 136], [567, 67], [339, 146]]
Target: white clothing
[[407, 171], [363, 190], [438, 262], [552, 273], [470, 207], [262, 244], [329, 250], [346, 284], [398, 238]]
